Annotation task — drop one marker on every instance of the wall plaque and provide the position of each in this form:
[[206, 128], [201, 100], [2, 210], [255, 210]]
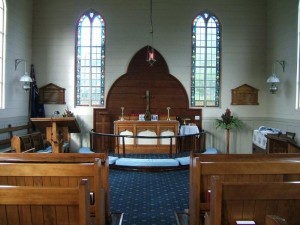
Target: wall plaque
[[244, 95], [52, 94]]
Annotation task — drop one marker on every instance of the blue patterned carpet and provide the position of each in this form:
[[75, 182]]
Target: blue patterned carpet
[[149, 198]]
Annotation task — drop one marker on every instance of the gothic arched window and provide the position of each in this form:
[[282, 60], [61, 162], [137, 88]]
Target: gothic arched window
[[90, 54], [206, 45]]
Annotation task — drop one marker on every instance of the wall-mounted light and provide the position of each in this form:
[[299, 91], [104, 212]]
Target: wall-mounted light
[[273, 80], [26, 79]]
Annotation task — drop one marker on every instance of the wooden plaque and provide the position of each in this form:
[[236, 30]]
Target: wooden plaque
[[244, 95], [52, 94]]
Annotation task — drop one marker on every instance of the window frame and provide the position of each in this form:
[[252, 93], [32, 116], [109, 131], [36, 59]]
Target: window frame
[[2, 54], [101, 69], [206, 15], [297, 105]]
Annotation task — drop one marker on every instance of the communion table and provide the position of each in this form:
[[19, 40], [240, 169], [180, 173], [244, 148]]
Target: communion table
[[151, 137]]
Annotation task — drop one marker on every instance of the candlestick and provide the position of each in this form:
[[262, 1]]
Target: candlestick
[[168, 108], [122, 114]]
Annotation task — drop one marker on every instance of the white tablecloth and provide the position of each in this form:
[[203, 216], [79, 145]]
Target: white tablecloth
[[259, 136], [188, 129]]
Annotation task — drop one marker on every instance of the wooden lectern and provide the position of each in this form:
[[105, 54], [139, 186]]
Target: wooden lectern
[[57, 130]]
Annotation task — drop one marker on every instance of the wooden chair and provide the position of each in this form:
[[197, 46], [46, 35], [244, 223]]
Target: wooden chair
[[290, 135], [37, 140], [232, 201], [45, 205]]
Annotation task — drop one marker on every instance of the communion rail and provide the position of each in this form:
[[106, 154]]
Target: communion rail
[[103, 142]]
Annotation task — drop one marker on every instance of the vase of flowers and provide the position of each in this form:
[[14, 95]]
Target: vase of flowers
[[228, 122]]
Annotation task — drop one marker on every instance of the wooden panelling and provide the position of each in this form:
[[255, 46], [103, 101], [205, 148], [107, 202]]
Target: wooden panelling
[[129, 92]]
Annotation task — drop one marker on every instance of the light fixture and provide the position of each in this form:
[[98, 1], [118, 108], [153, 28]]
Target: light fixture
[[273, 80], [26, 79], [150, 51]]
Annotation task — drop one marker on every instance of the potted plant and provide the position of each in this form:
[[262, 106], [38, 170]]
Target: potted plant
[[228, 122]]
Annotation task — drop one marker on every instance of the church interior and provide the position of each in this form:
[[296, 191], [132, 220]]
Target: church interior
[[139, 93]]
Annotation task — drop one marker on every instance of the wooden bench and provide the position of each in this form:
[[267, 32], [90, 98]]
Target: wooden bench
[[60, 169], [253, 201], [238, 168], [45, 205], [7, 134], [33, 142]]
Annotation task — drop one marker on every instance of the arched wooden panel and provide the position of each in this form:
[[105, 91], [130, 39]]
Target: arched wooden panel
[[129, 91]]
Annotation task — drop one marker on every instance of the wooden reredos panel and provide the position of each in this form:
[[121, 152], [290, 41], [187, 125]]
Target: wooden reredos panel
[[129, 92]]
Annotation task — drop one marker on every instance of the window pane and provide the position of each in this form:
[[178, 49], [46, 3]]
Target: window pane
[[90, 59], [205, 60]]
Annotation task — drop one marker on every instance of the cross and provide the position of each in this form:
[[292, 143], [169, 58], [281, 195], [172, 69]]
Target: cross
[[147, 96]]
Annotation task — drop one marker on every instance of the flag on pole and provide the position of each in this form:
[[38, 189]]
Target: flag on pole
[[36, 109]]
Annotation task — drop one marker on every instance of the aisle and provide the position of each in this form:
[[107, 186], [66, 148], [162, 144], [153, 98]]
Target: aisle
[[149, 198]]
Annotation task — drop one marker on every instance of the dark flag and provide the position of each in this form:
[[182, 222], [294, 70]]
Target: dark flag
[[37, 109]]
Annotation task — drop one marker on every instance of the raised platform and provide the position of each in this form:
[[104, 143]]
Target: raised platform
[[150, 161]]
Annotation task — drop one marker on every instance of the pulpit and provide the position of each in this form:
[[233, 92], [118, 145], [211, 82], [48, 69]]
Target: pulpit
[[57, 130]]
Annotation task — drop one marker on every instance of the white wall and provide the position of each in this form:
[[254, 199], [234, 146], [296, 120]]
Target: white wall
[[128, 27], [18, 45], [282, 45]]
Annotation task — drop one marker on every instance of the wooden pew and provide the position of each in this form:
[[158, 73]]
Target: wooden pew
[[45, 205], [238, 168], [7, 134], [232, 201], [60, 169], [29, 143]]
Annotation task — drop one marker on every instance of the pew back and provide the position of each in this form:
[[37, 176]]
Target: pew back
[[60, 170], [45, 205], [236, 168], [253, 201], [32, 142], [7, 133]]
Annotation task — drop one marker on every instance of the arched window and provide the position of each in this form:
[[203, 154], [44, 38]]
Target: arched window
[[206, 40], [89, 72], [2, 51]]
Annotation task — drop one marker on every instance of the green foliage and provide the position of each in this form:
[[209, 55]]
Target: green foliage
[[227, 121]]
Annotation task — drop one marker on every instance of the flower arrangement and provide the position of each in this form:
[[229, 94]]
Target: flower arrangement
[[227, 121], [68, 113]]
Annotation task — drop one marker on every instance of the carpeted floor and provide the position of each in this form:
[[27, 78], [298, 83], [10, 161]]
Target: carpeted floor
[[149, 198]]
